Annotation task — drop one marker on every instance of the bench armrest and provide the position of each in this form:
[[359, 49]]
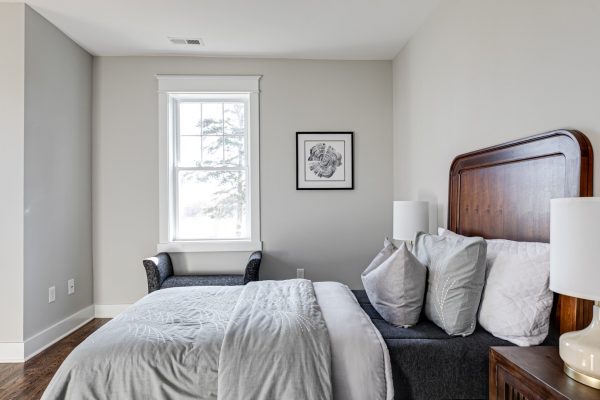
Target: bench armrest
[[158, 268], [253, 267]]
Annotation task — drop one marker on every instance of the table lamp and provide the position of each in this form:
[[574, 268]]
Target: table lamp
[[410, 217], [575, 271]]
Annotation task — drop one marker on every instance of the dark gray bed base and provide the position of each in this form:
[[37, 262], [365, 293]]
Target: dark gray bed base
[[427, 364]]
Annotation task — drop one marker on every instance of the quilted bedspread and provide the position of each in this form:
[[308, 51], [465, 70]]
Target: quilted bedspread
[[264, 340]]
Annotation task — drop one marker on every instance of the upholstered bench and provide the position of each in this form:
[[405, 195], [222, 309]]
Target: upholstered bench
[[159, 271]]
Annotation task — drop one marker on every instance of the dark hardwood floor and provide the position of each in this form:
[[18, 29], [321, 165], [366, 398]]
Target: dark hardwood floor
[[29, 380]]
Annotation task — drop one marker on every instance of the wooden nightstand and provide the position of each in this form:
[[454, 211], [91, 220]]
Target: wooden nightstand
[[533, 373]]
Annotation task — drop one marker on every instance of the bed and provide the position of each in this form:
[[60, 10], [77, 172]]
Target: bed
[[501, 192], [298, 340], [265, 340]]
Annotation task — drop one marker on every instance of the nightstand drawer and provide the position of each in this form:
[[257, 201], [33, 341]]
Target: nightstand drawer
[[512, 387]]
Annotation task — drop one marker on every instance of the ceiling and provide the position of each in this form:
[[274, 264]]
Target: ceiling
[[316, 29]]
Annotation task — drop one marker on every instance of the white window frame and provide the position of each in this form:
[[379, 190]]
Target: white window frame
[[169, 87]]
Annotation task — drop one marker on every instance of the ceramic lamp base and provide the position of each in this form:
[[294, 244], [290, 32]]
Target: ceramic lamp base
[[580, 350]]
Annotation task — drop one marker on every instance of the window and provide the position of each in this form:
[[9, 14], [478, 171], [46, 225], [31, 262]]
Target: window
[[208, 163]]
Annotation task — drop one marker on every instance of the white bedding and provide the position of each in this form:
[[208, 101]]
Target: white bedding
[[361, 366]]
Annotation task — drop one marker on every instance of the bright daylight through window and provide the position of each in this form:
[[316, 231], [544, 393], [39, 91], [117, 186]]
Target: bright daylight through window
[[211, 152], [211, 183]]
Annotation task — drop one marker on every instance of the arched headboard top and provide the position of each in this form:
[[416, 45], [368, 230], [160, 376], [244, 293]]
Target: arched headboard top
[[504, 192]]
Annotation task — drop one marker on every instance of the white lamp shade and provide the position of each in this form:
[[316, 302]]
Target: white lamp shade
[[574, 246], [410, 217]]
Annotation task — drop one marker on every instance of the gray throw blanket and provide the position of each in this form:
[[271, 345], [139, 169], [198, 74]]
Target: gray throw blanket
[[276, 345], [265, 340]]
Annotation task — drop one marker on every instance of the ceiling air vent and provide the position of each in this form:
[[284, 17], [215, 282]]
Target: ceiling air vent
[[191, 42]]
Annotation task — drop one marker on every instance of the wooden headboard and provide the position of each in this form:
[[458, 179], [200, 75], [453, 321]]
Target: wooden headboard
[[504, 192]]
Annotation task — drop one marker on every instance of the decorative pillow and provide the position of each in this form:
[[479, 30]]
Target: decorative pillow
[[456, 279], [384, 254], [516, 302], [396, 287]]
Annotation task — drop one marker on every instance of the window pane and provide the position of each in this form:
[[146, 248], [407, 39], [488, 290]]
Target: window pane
[[212, 118], [234, 118], [234, 151], [212, 205], [189, 118], [212, 151], [190, 148]]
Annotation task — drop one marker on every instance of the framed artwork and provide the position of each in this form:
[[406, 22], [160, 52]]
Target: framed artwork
[[324, 161]]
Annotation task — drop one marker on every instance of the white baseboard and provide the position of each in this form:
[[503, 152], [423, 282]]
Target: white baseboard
[[19, 352], [109, 310], [46, 338], [12, 352]]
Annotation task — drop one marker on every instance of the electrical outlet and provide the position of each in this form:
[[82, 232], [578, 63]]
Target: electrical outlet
[[51, 294], [71, 286], [300, 273]]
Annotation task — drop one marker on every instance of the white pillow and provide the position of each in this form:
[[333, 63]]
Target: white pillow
[[516, 301]]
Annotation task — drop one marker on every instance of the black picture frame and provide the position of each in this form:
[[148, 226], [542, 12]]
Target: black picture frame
[[321, 181]]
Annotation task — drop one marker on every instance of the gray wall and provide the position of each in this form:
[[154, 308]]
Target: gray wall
[[332, 234], [481, 72], [58, 242], [12, 21]]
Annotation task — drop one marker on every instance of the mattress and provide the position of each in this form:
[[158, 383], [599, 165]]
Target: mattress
[[429, 364]]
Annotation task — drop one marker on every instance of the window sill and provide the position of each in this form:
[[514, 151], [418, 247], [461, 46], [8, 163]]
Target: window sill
[[209, 246]]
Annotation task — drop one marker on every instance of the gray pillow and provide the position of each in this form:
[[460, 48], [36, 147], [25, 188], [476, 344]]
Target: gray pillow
[[396, 286], [384, 254], [456, 278]]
